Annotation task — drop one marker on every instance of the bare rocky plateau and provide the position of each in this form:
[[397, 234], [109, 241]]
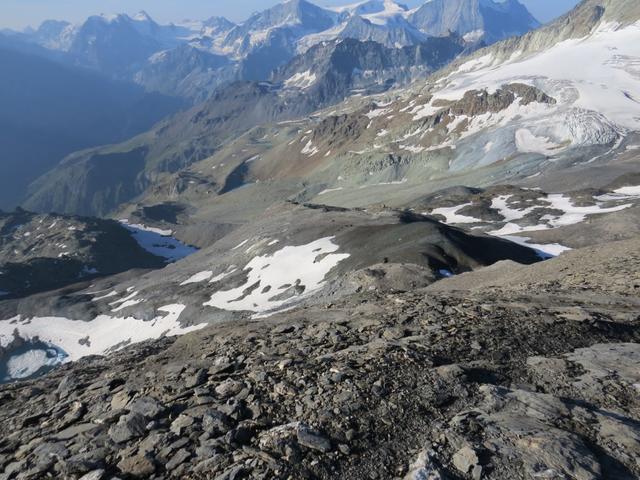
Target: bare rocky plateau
[[534, 374]]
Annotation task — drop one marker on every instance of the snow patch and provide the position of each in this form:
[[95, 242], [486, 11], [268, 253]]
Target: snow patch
[[274, 280], [378, 112], [424, 111], [474, 36], [25, 364], [100, 336], [629, 191], [544, 251], [159, 242], [508, 214], [451, 214], [302, 80], [309, 149], [527, 142], [573, 214], [113, 293], [198, 278], [241, 244], [329, 190]]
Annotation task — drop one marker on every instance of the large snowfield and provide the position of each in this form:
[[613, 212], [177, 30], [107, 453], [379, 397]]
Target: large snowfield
[[595, 80]]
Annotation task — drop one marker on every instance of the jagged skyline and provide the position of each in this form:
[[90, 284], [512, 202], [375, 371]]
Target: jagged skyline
[[19, 14]]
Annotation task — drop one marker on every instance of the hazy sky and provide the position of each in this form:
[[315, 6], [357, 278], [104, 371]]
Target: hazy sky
[[20, 13]]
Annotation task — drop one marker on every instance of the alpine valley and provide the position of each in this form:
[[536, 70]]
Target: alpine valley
[[356, 242]]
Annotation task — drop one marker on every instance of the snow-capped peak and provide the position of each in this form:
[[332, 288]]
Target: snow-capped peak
[[373, 7], [108, 17], [387, 11], [142, 16]]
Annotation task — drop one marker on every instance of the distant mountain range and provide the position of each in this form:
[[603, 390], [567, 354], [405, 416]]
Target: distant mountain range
[[314, 56], [501, 113], [200, 56], [325, 75]]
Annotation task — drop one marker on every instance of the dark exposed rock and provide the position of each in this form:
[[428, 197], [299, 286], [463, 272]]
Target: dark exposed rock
[[129, 426], [465, 459], [178, 458], [310, 439], [148, 407], [216, 422], [229, 388], [196, 379]]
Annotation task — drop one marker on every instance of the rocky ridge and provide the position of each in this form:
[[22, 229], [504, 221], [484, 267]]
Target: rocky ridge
[[41, 252]]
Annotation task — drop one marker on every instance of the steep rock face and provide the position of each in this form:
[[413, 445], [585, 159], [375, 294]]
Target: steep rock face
[[327, 74], [263, 57], [400, 33], [291, 13], [53, 34], [215, 26], [332, 70], [479, 19], [438, 129], [439, 17], [90, 182], [128, 48], [131, 48], [112, 45], [115, 45], [294, 19], [577, 23], [393, 24], [187, 72], [269, 39]]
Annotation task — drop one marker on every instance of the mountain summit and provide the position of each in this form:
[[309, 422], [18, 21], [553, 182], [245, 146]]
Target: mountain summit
[[478, 19]]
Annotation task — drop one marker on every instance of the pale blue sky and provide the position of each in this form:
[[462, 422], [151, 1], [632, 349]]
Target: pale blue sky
[[20, 13]]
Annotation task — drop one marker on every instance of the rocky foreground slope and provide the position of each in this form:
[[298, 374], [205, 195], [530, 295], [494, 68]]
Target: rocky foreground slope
[[533, 376]]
